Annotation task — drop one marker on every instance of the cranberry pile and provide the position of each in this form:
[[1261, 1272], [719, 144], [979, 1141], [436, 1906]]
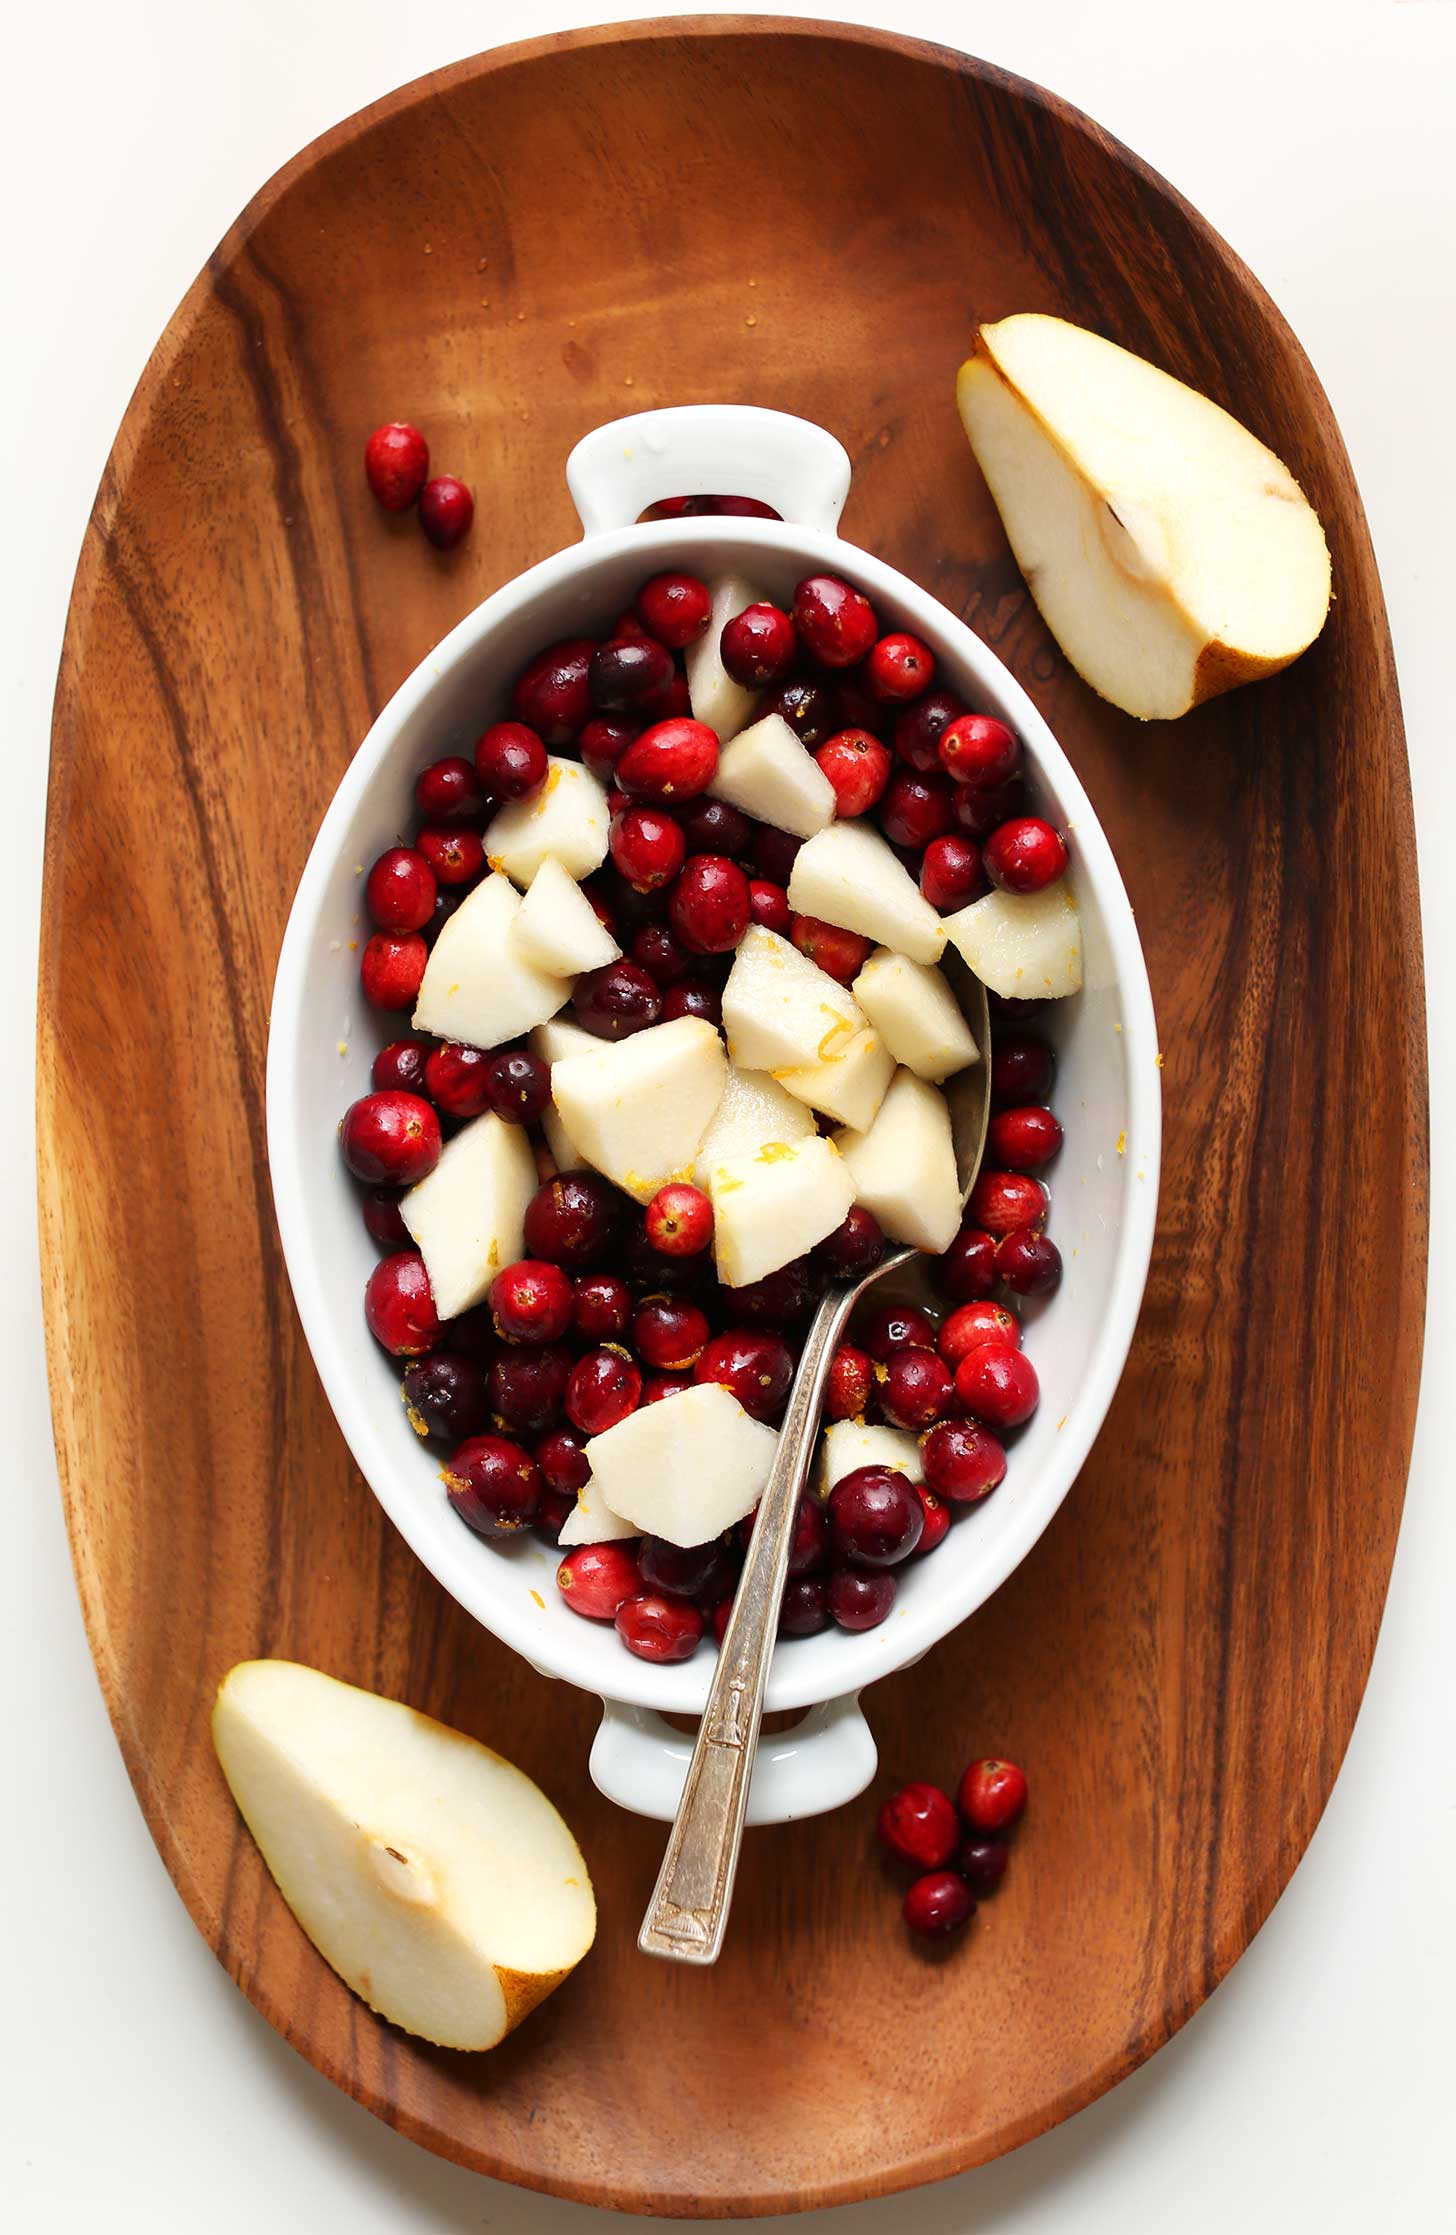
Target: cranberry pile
[[960, 1848], [616, 1306], [397, 468]]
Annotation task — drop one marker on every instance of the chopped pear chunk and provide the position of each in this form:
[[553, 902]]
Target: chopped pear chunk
[[904, 1168], [916, 1014], [849, 876]]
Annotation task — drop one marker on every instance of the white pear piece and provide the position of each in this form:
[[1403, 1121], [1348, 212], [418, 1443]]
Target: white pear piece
[[848, 1444], [477, 986], [1027, 945], [780, 1010], [770, 775], [904, 1168], [754, 1111], [849, 876], [714, 696], [558, 1037], [592, 1521], [849, 1085], [1170, 552], [434, 1877], [774, 1204], [557, 928], [637, 1109], [567, 817], [466, 1217], [916, 1015], [685, 1468]]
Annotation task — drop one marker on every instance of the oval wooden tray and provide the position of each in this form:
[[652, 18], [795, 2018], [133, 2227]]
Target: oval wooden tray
[[511, 252]]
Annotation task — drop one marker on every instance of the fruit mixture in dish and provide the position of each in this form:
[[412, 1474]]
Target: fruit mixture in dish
[[669, 945]]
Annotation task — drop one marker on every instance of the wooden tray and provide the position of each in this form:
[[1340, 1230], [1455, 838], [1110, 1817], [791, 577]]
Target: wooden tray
[[511, 252]]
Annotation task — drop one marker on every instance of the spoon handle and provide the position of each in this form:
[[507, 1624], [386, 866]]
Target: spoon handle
[[688, 1912]]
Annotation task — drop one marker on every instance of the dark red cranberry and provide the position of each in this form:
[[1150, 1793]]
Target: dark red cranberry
[[950, 872], [669, 1333], [397, 464], [967, 1270], [970, 1325], [510, 760], [779, 1298], [839, 953], [938, 1904], [602, 1311], [1024, 855], [625, 627], [886, 1328], [809, 710], [647, 846], [851, 1378], [1010, 1005], [919, 1825], [565, 1468], [531, 1301], [916, 1389], [916, 809], [708, 905], [918, 729], [963, 1461], [804, 1607], [1002, 1201], [603, 742], [701, 507], [448, 792], [384, 1220], [629, 675], [693, 997], [596, 1579], [978, 750], [400, 890], [992, 1797], [658, 1627], [982, 1864], [657, 1386], [676, 703], [1025, 1138], [553, 1513], [675, 608], [937, 1522], [859, 1599], [394, 1138], [858, 766], [603, 1388], [679, 1222], [552, 693], [518, 1085], [671, 761], [398, 1307], [400, 1067], [458, 1076], [809, 1545], [655, 1275], [448, 1396], [571, 1219], [692, 1571], [711, 826], [494, 1484], [899, 668], [446, 903], [997, 1385], [768, 905], [854, 1248], [980, 809], [616, 1001], [454, 853], [835, 622], [446, 511], [655, 950], [757, 646], [854, 705], [527, 1387], [1029, 1262], [473, 1333], [875, 1519], [1022, 1070], [753, 1365], [774, 853]]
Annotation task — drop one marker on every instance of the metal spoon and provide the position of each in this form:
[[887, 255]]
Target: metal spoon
[[688, 1913]]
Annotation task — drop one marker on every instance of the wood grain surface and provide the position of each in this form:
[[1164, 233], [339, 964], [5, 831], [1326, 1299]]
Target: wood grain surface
[[511, 252]]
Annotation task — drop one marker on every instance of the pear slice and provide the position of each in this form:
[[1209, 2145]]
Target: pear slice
[[433, 1876], [637, 1109], [848, 1444], [754, 1110], [917, 1016], [774, 1204], [477, 985], [1170, 552], [848, 876], [1023, 945], [769, 774], [712, 693], [849, 1085], [557, 928], [780, 1010], [467, 1217], [685, 1468], [592, 1521], [553, 1041], [567, 817], [904, 1168]]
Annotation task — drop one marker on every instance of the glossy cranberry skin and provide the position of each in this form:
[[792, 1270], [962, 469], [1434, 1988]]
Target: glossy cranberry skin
[[494, 1484], [938, 1904], [976, 749], [565, 1468], [647, 846], [992, 1797], [448, 1392], [900, 667], [571, 1219], [982, 1864], [628, 675], [552, 693], [602, 1310], [400, 890], [694, 1571], [603, 742], [1025, 855], [627, 627], [859, 1599], [887, 1328], [757, 646], [596, 1579], [1029, 1262], [616, 1001], [997, 1385], [675, 608], [700, 507], [752, 1364], [835, 622], [970, 1325], [693, 997], [851, 1378], [963, 1462], [518, 1086], [473, 1333], [980, 809], [967, 1270], [657, 1626], [447, 509], [510, 760], [1023, 1139], [531, 1301], [950, 872], [384, 1220], [711, 826], [654, 949], [918, 729], [937, 1522], [449, 792], [398, 1307], [875, 1518], [779, 1298], [808, 708], [527, 1387], [916, 809], [1022, 1070], [919, 1825], [396, 464], [1002, 1201], [839, 953], [804, 1607], [669, 1333], [602, 1389], [708, 906], [809, 1545], [855, 1247], [553, 1513], [391, 1138], [774, 853], [454, 854], [768, 905], [916, 1389], [679, 1220], [456, 1077], [673, 760], [858, 766]]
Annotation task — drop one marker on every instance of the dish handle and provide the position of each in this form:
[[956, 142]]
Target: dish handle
[[616, 471], [640, 1761]]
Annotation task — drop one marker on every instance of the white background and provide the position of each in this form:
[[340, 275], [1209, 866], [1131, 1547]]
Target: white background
[[143, 2091]]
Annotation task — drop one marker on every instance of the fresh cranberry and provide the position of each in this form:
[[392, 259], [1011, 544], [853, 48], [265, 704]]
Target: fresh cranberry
[[887, 1328], [527, 1387], [456, 1077], [967, 1270], [779, 1298], [809, 1544], [937, 1522], [616, 1001], [851, 1378], [1029, 1262], [950, 872], [679, 1221], [655, 950], [647, 846], [552, 693], [654, 1275], [859, 1600], [916, 1389], [757, 646], [397, 464], [938, 1904], [855, 707], [976, 749], [596, 1579], [970, 1325], [400, 1067], [875, 1519], [804, 1607], [839, 953], [518, 1085], [676, 608], [384, 1220], [565, 1468], [454, 855], [992, 1797], [981, 808], [656, 1626], [603, 1388], [835, 622], [809, 710], [669, 1333], [393, 1138], [676, 702], [919, 1825], [752, 1364], [858, 766], [693, 997], [689, 1571], [628, 675], [1024, 1139], [671, 761], [531, 1301], [1024, 855], [494, 1484], [997, 1385], [446, 511], [899, 668], [1022, 1070], [711, 826], [918, 729], [963, 1461], [855, 1247], [510, 760], [768, 906], [708, 907], [701, 507], [473, 1334], [657, 1386], [1013, 1005], [571, 1219], [1002, 1201], [603, 742], [553, 1513], [602, 1310], [982, 1864], [398, 1307], [774, 853], [627, 626], [400, 890], [446, 903], [447, 1394], [915, 809]]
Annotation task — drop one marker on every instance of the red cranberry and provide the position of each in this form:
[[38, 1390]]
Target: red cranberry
[[982, 1864], [602, 1310], [835, 622], [628, 674], [918, 729], [753, 1365], [553, 1513], [962, 1461], [804, 1607], [915, 809], [950, 872], [658, 1627], [938, 1904], [967, 1270], [571, 1219], [875, 1519], [899, 668], [1012, 1005], [565, 1468], [447, 1395], [840, 954], [887, 1328], [448, 792], [398, 1307], [708, 907], [711, 826], [654, 1275], [992, 1797], [655, 950], [997, 1385], [978, 750], [657, 1386], [693, 997], [453, 855], [809, 1545], [1029, 1262], [768, 905], [625, 627], [1002, 1201], [531, 1301], [859, 1600], [473, 1334], [616, 1001], [937, 1522], [518, 1085], [647, 846], [774, 853], [676, 703], [851, 1378], [457, 1076], [400, 890], [916, 1389], [981, 808], [603, 742], [602, 1389], [970, 1325], [757, 646], [669, 1333], [675, 607], [858, 766], [552, 693], [446, 511], [494, 1484], [779, 1298], [527, 1387], [1022, 1070], [855, 707], [446, 904], [596, 1579], [384, 1220], [1025, 1138], [679, 1221], [1024, 855], [673, 760], [809, 710], [390, 1137], [919, 1825], [691, 1571], [397, 463], [510, 760], [855, 1247]]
